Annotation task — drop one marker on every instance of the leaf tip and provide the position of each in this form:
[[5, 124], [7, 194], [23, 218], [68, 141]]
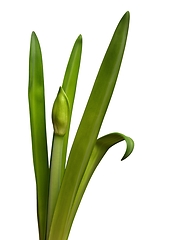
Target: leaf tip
[[33, 36], [79, 39], [129, 149], [127, 16]]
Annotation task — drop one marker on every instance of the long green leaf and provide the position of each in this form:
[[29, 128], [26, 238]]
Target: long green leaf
[[69, 85], [101, 147], [59, 146], [88, 129], [38, 131]]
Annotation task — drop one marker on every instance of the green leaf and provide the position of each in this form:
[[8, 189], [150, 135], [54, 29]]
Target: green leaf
[[88, 130], [72, 70], [101, 147], [38, 131], [69, 86], [61, 116]]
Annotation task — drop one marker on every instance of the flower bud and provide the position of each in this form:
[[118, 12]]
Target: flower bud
[[60, 113]]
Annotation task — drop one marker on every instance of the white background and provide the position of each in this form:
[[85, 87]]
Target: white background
[[124, 200]]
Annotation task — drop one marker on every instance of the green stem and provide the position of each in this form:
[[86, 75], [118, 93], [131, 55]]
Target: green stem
[[60, 119], [55, 175]]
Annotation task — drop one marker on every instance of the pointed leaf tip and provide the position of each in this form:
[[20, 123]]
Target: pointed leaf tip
[[129, 147], [127, 14], [80, 37], [33, 33], [33, 36], [126, 17]]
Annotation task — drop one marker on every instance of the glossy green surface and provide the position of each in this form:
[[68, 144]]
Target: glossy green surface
[[85, 140], [59, 145], [60, 113], [69, 86], [38, 131], [101, 147], [67, 184]]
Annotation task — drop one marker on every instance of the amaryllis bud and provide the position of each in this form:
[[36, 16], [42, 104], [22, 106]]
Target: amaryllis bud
[[60, 113]]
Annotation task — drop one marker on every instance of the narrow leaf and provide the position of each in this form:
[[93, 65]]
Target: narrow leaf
[[69, 86], [89, 128], [38, 131], [62, 111], [101, 147], [72, 70]]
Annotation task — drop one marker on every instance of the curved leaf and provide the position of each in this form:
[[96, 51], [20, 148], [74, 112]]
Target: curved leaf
[[88, 130], [101, 147]]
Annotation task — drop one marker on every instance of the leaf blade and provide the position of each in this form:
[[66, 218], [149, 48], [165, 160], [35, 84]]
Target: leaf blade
[[38, 131], [101, 147], [69, 86], [59, 145], [92, 119]]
